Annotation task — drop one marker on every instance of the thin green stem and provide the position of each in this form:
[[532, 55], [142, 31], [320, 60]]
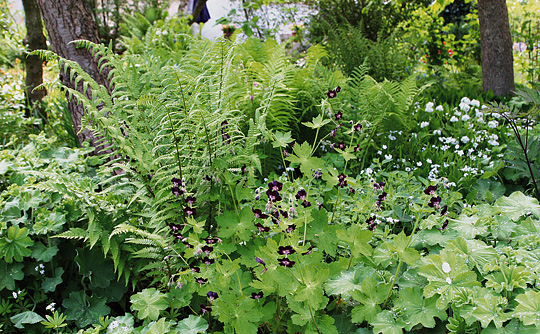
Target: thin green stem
[[236, 272], [233, 199], [284, 164], [408, 243]]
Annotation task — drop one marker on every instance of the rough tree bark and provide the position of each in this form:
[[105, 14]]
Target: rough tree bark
[[35, 40], [66, 21], [496, 44]]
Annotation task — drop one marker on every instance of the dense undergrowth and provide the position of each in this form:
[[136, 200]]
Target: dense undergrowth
[[249, 194]]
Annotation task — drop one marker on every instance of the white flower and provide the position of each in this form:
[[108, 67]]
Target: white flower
[[445, 147], [419, 163], [465, 118], [465, 100], [15, 295], [391, 137], [424, 124], [465, 107], [429, 161], [388, 156], [379, 152], [50, 306], [407, 169], [384, 147], [493, 142], [465, 139], [493, 124], [454, 119], [437, 132], [446, 267], [369, 171], [475, 103], [439, 108], [460, 153], [429, 107]]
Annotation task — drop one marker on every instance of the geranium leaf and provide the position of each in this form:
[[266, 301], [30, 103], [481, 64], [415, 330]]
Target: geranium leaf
[[417, 309], [348, 281], [282, 139], [83, 309], [517, 205]]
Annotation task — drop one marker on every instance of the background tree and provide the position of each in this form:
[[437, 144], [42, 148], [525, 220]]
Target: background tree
[[35, 40], [66, 21], [496, 44]]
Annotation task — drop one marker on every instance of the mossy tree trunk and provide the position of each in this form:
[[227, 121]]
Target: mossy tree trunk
[[496, 44], [35, 40], [66, 21]]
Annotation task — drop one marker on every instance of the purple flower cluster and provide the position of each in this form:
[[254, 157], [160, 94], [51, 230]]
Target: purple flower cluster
[[332, 93], [301, 195], [435, 202], [224, 134], [342, 181], [372, 223]]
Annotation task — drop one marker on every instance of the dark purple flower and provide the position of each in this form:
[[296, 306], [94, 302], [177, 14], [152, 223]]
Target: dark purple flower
[[301, 194], [205, 309], [259, 260], [243, 169], [212, 295], [357, 127], [286, 154], [372, 226], [259, 214], [191, 200], [273, 196], [257, 295], [201, 281], [340, 145], [306, 204], [317, 174], [444, 225], [371, 220], [357, 147], [224, 124], [333, 133], [212, 241], [352, 191], [444, 211], [319, 205], [207, 261], [430, 190], [338, 89], [435, 202], [186, 243], [177, 191], [262, 228], [175, 227], [339, 115], [280, 213], [275, 186], [195, 269], [286, 262], [290, 228], [342, 181], [382, 197], [190, 211], [178, 236], [379, 186], [177, 182], [285, 250], [331, 93], [207, 249], [308, 251]]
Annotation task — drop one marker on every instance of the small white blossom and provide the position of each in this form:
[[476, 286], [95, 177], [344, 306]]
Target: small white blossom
[[419, 163], [465, 118], [454, 119], [388, 156], [493, 124], [439, 108], [475, 103], [465, 139], [429, 107], [437, 132], [424, 124]]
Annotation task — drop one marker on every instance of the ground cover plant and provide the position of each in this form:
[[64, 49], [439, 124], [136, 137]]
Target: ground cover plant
[[246, 192]]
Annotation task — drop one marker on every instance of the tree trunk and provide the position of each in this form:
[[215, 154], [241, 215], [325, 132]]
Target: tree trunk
[[35, 40], [66, 21], [496, 44]]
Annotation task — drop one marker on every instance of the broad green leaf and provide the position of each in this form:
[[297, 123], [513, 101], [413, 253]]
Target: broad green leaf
[[491, 308], [509, 278], [5, 166], [302, 156], [476, 251], [317, 122], [447, 274], [385, 323], [469, 227], [405, 253], [357, 239], [121, 325], [27, 317], [232, 224], [83, 309], [149, 303], [51, 222], [239, 313], [179, 297], [282, 139], [42, 253], [528, 310], [9, 272], [50, 283], [158, 327], [513, 327], [98, 269], [16, 244], [370, 296], [348, 281], [417, 309], [311, 290], [517, 205], [192, 325]]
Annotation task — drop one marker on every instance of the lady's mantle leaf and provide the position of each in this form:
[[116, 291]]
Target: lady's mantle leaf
[[491, 308], [417, 309], [85, 310], [27, 317], [9, 273], [16, 244], [447, 274], [192, 325], [509, 278], [148, 303], [477, 252], [348, 281], [528, 310], [385, 323], [517, 205], [513, 327]]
